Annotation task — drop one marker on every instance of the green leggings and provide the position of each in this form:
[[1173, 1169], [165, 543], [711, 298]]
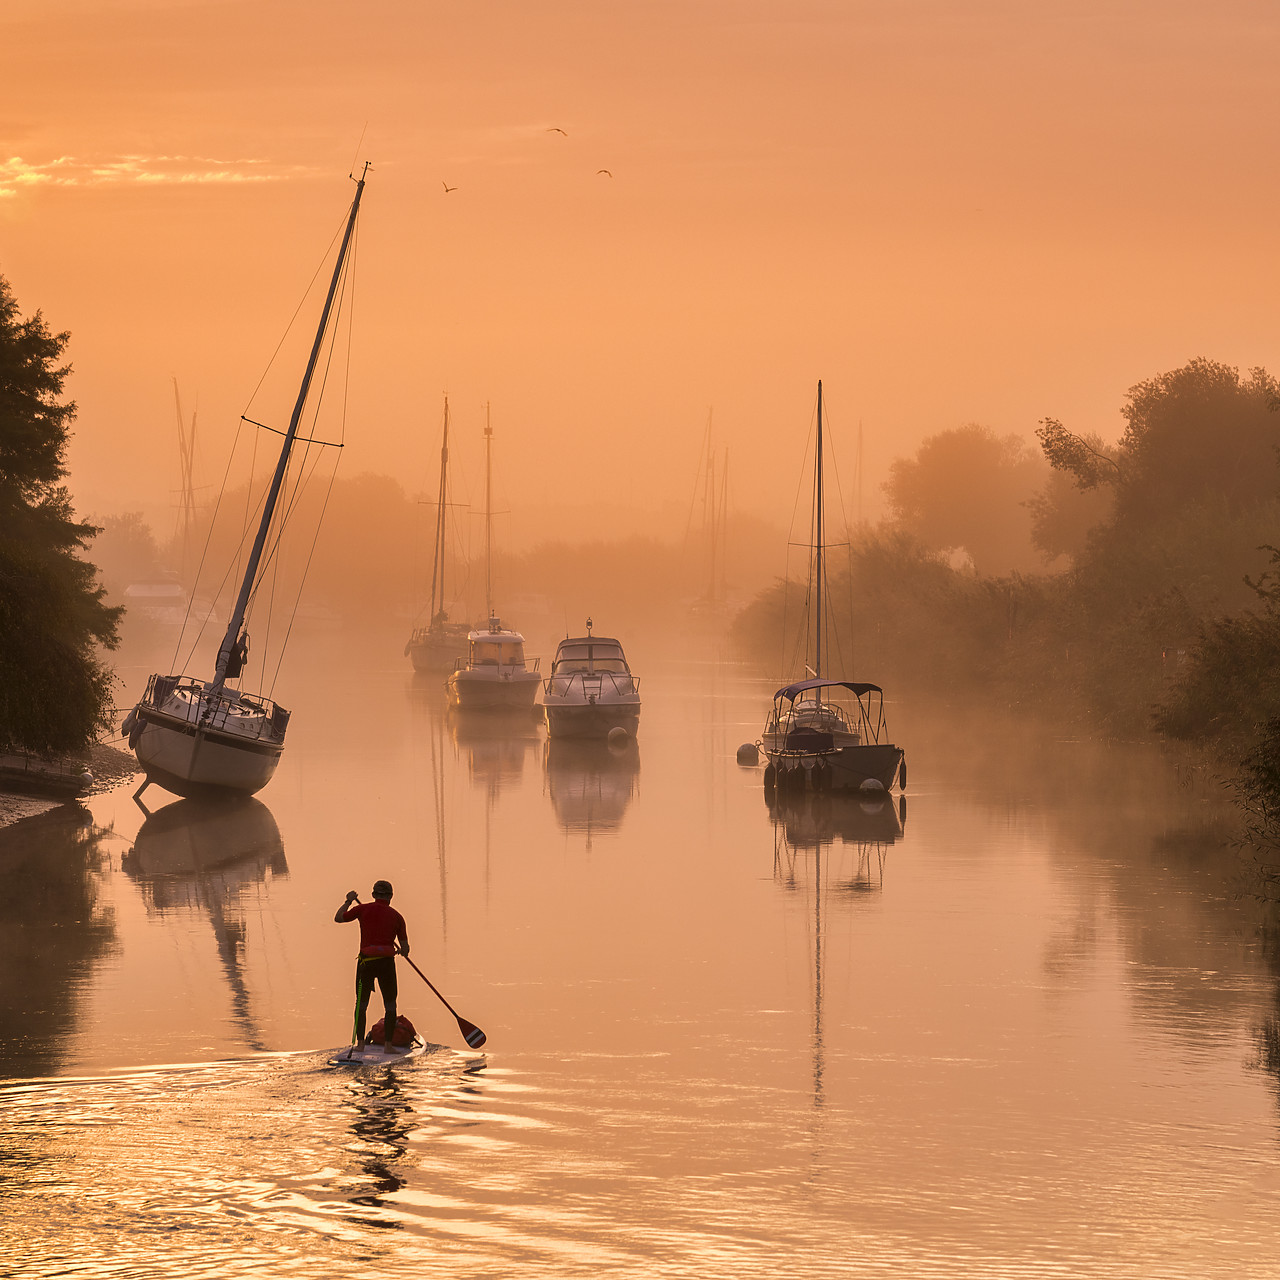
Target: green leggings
[[382, 970]]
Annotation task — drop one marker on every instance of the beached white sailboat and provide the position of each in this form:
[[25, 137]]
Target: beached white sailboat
[[824, 734], [439, 645], [200, 737], [496, 675]]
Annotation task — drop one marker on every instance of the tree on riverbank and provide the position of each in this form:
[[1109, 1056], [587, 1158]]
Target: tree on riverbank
[[55, 695], [1162, 529]]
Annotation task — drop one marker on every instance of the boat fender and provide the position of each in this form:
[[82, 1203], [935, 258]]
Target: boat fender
[[902, 774], [618, 736], [126, 729], [407, 645], [748, 754], [770, 777]]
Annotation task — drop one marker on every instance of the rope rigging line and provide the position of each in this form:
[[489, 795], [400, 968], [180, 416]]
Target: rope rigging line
[[833, 624], [208, 542], [306, 293], [296, 467], [253, 510], [786, 573], [305, 477]]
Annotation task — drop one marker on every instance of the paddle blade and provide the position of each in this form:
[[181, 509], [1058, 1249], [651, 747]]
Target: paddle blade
[[471, 1033]]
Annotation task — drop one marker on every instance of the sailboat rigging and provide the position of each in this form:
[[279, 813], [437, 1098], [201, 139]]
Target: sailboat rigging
[[199, 737], [495, 676], [827, 734], [437, 646]]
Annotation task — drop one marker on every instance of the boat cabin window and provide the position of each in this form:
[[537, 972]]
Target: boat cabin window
[[607, 657], [492, 653]]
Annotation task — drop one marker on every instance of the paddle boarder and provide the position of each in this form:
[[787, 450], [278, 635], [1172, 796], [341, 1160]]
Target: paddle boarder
[[381, 927]]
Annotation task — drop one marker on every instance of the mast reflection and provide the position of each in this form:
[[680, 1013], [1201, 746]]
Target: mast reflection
[[806, 827], [591, 783], [209, 856]]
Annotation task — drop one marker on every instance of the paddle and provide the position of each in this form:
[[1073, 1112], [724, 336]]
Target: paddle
[[470, 1032]]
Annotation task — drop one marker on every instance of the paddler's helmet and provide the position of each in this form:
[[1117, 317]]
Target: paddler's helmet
[[382, 889]]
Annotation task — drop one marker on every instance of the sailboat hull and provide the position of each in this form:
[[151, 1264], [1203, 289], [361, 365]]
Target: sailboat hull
[[201, 741], [438, 651], [859, 767], [197, 764]]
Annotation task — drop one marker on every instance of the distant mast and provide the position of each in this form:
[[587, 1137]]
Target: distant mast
[[437, 563], [817, 506], [186, 462], [488, 514]]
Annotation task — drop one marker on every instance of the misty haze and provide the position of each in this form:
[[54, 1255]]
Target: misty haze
[[639, 642]]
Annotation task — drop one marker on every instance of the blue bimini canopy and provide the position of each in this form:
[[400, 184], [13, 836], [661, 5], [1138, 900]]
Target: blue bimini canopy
[[792, 691]]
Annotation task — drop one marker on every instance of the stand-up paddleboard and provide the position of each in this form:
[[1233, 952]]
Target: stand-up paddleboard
[[374, 1055]]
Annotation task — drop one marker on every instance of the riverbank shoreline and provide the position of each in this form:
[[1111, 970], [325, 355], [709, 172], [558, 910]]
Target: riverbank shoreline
[[108, 766]]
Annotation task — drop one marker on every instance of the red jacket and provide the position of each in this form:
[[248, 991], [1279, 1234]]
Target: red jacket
[[380, 925]]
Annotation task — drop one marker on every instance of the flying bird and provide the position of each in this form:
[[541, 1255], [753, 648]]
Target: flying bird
[[448, 188], [604, 171], [553, 129]]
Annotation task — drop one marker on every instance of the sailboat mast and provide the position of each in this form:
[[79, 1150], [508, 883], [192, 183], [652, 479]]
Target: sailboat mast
[[817, 505], [711, 524], [277, 480], [437, 562], [488, 514]]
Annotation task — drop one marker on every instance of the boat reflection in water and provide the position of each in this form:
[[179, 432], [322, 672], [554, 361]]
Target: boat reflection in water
[[209, 855], [496, 743], [808, 822], [591, 783]]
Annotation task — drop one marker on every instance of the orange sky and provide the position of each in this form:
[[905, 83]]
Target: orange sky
[[949, 211]]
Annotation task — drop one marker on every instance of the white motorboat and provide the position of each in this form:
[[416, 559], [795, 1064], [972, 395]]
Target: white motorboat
[[201, 737], [591, 692], [496, 675], [828, 734]]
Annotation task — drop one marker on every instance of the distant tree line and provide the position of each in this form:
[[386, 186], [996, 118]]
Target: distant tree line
[[1155, 606]]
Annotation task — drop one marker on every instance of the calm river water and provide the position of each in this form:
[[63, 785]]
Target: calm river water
[[1021, 1033]]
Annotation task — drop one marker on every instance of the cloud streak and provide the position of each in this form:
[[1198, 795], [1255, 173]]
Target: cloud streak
[[18, 175]]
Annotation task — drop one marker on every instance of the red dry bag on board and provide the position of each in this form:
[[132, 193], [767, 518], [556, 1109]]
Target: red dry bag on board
[[405, 1032]]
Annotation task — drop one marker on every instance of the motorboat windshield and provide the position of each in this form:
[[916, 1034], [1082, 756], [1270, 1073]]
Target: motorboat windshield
[[590, 655], [488, 650]]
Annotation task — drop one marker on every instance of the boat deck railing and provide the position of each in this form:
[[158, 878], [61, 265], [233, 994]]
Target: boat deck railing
[[560, 683], [249, 715]]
